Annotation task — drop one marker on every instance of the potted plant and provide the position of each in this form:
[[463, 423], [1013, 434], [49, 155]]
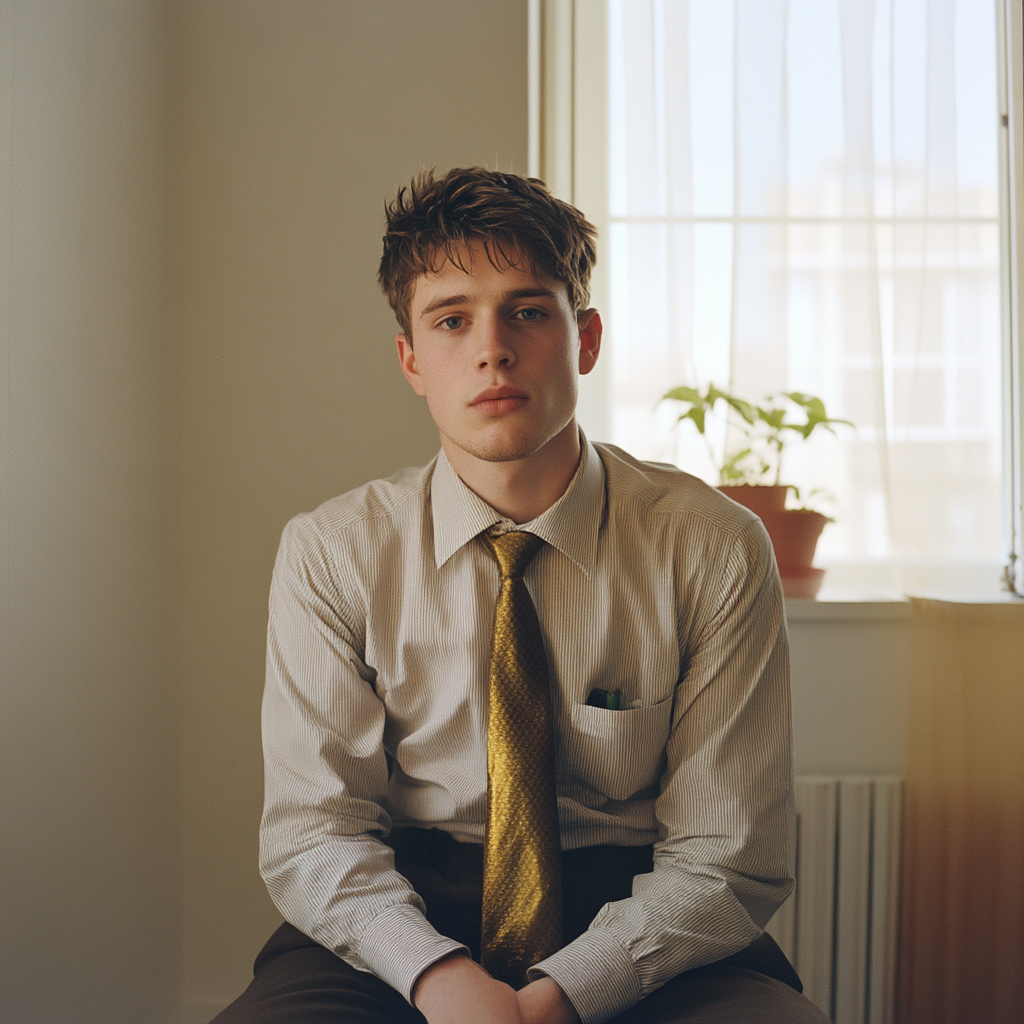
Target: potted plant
[[751, 474]]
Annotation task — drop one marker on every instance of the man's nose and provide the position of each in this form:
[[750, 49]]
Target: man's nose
[[494, 343]]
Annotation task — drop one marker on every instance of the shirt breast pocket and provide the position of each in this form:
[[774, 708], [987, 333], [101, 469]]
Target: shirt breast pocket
[[619, 753]]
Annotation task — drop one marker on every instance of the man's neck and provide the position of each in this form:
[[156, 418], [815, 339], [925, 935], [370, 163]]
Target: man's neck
[[522, 489]]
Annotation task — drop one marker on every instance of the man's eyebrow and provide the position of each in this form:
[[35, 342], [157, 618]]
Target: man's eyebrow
[[529, 292], [445, 300], [532, 292]]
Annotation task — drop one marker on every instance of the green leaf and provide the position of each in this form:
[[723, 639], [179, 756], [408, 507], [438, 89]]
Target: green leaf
[[774, 418], [683, 394], [745, 409], [816, 415], [697, 415]]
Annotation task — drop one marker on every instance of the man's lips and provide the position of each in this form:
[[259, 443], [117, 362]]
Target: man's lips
[[499, 400]]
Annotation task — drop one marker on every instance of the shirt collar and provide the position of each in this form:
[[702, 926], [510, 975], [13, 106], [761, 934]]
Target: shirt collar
[[571, 525]]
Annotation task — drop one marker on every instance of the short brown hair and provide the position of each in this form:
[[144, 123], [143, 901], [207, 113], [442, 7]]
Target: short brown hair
[[513, 216]]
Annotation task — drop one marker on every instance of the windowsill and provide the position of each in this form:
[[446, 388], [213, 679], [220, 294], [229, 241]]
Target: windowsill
[[851, 594], [890, 581], [870, 607]]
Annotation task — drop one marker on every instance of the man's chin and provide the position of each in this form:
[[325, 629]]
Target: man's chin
[[506, 447], [501, 451]]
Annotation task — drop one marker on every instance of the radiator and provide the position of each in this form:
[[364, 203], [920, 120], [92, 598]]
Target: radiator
[[839, 926]]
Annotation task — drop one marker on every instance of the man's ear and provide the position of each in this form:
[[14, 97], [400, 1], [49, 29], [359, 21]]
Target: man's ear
[[407, 357], [589, 324]]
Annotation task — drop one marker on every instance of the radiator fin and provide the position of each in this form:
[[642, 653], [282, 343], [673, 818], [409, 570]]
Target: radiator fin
[[839, 927]]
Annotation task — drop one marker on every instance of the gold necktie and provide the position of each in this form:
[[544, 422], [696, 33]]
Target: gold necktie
[[522, 891]]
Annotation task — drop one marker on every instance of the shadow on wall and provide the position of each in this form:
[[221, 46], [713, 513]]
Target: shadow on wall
[[963, 908]]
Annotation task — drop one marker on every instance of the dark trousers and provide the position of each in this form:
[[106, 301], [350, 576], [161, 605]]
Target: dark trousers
[[298, 981]]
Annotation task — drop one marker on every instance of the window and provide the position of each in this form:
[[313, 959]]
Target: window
[[806, 195]]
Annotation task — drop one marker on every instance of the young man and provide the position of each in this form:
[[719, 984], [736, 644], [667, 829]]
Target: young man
[[527, 705]]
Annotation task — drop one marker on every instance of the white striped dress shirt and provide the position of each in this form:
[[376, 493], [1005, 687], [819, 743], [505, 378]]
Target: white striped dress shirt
[[650, 583]]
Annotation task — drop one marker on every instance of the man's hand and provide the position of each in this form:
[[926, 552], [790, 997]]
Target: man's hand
[[543, 1002], [457, 990]]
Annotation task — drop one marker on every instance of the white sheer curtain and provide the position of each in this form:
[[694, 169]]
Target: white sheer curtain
[[803, 195]]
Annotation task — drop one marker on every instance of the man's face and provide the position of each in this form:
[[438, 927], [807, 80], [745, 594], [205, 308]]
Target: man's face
[[497, 354]]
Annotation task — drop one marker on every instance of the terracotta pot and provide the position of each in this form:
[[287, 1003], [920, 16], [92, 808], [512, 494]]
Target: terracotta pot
[[794, 534], [803, 583], [759, 499]]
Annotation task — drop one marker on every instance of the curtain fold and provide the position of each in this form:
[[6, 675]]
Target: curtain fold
[[804, 198], [962, 909]]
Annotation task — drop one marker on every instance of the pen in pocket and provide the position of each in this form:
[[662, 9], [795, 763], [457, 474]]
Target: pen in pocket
[[610, 700]]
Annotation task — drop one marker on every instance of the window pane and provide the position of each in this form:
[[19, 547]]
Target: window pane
[[860, 261]]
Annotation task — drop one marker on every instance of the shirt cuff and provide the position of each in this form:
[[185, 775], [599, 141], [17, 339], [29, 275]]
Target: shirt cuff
[[596, 973], [399, 944]]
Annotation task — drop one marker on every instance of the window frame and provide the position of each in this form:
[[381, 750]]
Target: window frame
[[567, 41], [1010, 42]]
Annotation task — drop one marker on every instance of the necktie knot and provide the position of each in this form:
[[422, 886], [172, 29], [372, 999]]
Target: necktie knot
[[513, 551]]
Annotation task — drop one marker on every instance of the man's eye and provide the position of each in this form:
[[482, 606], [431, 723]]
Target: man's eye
[[529, 314], [451, 323]]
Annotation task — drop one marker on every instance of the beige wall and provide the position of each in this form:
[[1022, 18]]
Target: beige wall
[[89, 827], [294, 123], [193, 349], [851, 687]]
